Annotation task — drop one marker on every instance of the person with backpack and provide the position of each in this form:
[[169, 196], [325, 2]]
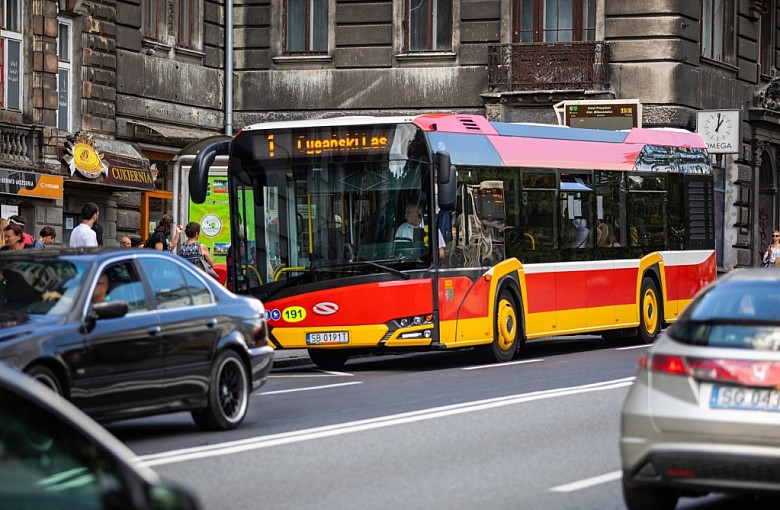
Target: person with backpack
[[159, 240]]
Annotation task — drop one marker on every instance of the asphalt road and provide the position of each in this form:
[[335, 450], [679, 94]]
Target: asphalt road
[[421, 431]]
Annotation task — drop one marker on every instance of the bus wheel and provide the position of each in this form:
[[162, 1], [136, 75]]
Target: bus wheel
[[328, 359], [504, 345], [649, 312]]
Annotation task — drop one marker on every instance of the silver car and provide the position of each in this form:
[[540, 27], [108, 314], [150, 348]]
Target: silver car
[[703, 414]]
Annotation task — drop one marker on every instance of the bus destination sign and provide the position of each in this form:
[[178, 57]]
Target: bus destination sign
[[604, 115], [309, 143]]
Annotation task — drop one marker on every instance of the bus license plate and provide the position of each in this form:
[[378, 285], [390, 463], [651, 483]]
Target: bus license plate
[[751, 399], [331, 337]]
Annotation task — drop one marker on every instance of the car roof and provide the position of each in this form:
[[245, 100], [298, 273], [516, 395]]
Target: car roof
[[57, 251], [750, 274]]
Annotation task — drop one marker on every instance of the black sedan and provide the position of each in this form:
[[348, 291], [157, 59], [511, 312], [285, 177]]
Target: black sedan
[[128, 333]]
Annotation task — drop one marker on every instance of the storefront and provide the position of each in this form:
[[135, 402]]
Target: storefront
[[34, 196], [112, 174]]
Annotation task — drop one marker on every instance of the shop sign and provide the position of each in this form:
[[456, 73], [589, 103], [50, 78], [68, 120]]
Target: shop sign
[[29, 184], [106, 162]]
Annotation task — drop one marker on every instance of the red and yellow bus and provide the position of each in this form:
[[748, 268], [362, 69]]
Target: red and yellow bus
[[526, 231]]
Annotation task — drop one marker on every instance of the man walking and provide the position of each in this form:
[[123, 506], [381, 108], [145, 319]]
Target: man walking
[[83, 235]]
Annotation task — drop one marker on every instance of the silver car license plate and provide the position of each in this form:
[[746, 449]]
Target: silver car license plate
[[331, 337], [757, 399]]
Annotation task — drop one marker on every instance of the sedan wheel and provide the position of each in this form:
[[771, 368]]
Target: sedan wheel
[[45, 376], [228, 395]]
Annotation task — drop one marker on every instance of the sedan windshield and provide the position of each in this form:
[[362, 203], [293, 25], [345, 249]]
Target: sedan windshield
[[47, 286], [743, 315]]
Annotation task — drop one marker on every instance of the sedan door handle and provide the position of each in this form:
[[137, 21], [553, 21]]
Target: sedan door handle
[[154, 330], [211, 322]]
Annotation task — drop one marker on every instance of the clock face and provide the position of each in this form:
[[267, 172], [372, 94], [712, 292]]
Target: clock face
[[718, 126]]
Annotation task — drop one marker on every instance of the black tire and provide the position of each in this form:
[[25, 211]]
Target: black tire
[[329, 359], [650, 317], [649, 498], [507, 325], [228, 394], [47, 377]]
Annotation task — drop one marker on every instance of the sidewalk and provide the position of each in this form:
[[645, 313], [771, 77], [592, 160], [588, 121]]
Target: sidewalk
[[285, 358]]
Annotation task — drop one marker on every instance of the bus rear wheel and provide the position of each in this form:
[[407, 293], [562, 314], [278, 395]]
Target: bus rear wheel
[[649, 312], [328, 359], [504, 345]]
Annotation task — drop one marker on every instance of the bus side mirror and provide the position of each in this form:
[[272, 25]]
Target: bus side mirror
[[447, 180], [199, 172]]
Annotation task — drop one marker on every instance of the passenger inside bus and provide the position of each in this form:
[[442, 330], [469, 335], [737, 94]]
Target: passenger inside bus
[[581, 231]]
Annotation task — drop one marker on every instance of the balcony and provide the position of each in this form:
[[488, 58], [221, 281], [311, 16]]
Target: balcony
[[529, 67]]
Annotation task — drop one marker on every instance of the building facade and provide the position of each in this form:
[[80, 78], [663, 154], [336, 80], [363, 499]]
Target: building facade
[[144, 80]]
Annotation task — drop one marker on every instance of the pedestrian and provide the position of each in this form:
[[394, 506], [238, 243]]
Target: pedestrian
[[772, 255], [125, 242], [14, 240], [159, 240], [45, 237], [194, 251], [98, 228], [83, 235], [3, 224], [19, 220]]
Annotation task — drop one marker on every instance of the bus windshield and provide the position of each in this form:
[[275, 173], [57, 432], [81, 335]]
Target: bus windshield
[[332, 215]]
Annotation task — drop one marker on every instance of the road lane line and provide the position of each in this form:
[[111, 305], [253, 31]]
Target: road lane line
[[497, 365], [588, 482], [308, 388], [296, 436], [303, 376], [643, 346]]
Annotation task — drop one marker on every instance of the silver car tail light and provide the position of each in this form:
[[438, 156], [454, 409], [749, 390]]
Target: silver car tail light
[[744, 372]]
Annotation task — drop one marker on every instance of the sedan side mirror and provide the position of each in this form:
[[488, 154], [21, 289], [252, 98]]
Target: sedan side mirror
[[110, 309]]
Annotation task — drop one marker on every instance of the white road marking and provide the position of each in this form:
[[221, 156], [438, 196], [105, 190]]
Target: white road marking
[[588, 482], [296, 436], [309, 388], [643, 346], [323, 373], [497, 365]]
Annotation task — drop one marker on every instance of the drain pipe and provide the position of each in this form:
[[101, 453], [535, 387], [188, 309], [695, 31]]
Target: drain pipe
[[229, 68]]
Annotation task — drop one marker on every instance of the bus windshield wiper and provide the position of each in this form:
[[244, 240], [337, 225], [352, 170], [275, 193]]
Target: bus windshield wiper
[[387, 269]]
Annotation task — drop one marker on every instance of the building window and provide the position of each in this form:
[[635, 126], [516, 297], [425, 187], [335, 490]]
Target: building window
[[306, 26], [11, 71], [429, 25], [64, 73], [553, 20], [172, 23], [717, 30], [766, 46], [184, 34], [149, 19]]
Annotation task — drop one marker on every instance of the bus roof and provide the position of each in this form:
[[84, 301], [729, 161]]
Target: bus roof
[[474, 140]]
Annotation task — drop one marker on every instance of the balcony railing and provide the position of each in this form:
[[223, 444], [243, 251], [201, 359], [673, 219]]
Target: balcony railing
[[524, 67], [18, 145]]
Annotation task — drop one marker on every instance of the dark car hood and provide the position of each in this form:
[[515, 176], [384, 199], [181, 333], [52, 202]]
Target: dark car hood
[[14, 324]]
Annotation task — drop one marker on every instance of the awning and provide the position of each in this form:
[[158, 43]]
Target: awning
[[105, 163], [167, 135]]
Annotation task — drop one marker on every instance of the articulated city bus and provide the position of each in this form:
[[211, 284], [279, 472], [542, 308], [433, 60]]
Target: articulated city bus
[[524, 231]]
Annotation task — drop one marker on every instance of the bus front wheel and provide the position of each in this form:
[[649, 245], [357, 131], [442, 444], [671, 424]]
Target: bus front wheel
[[504, 345], [649, 312], [328, 359]]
